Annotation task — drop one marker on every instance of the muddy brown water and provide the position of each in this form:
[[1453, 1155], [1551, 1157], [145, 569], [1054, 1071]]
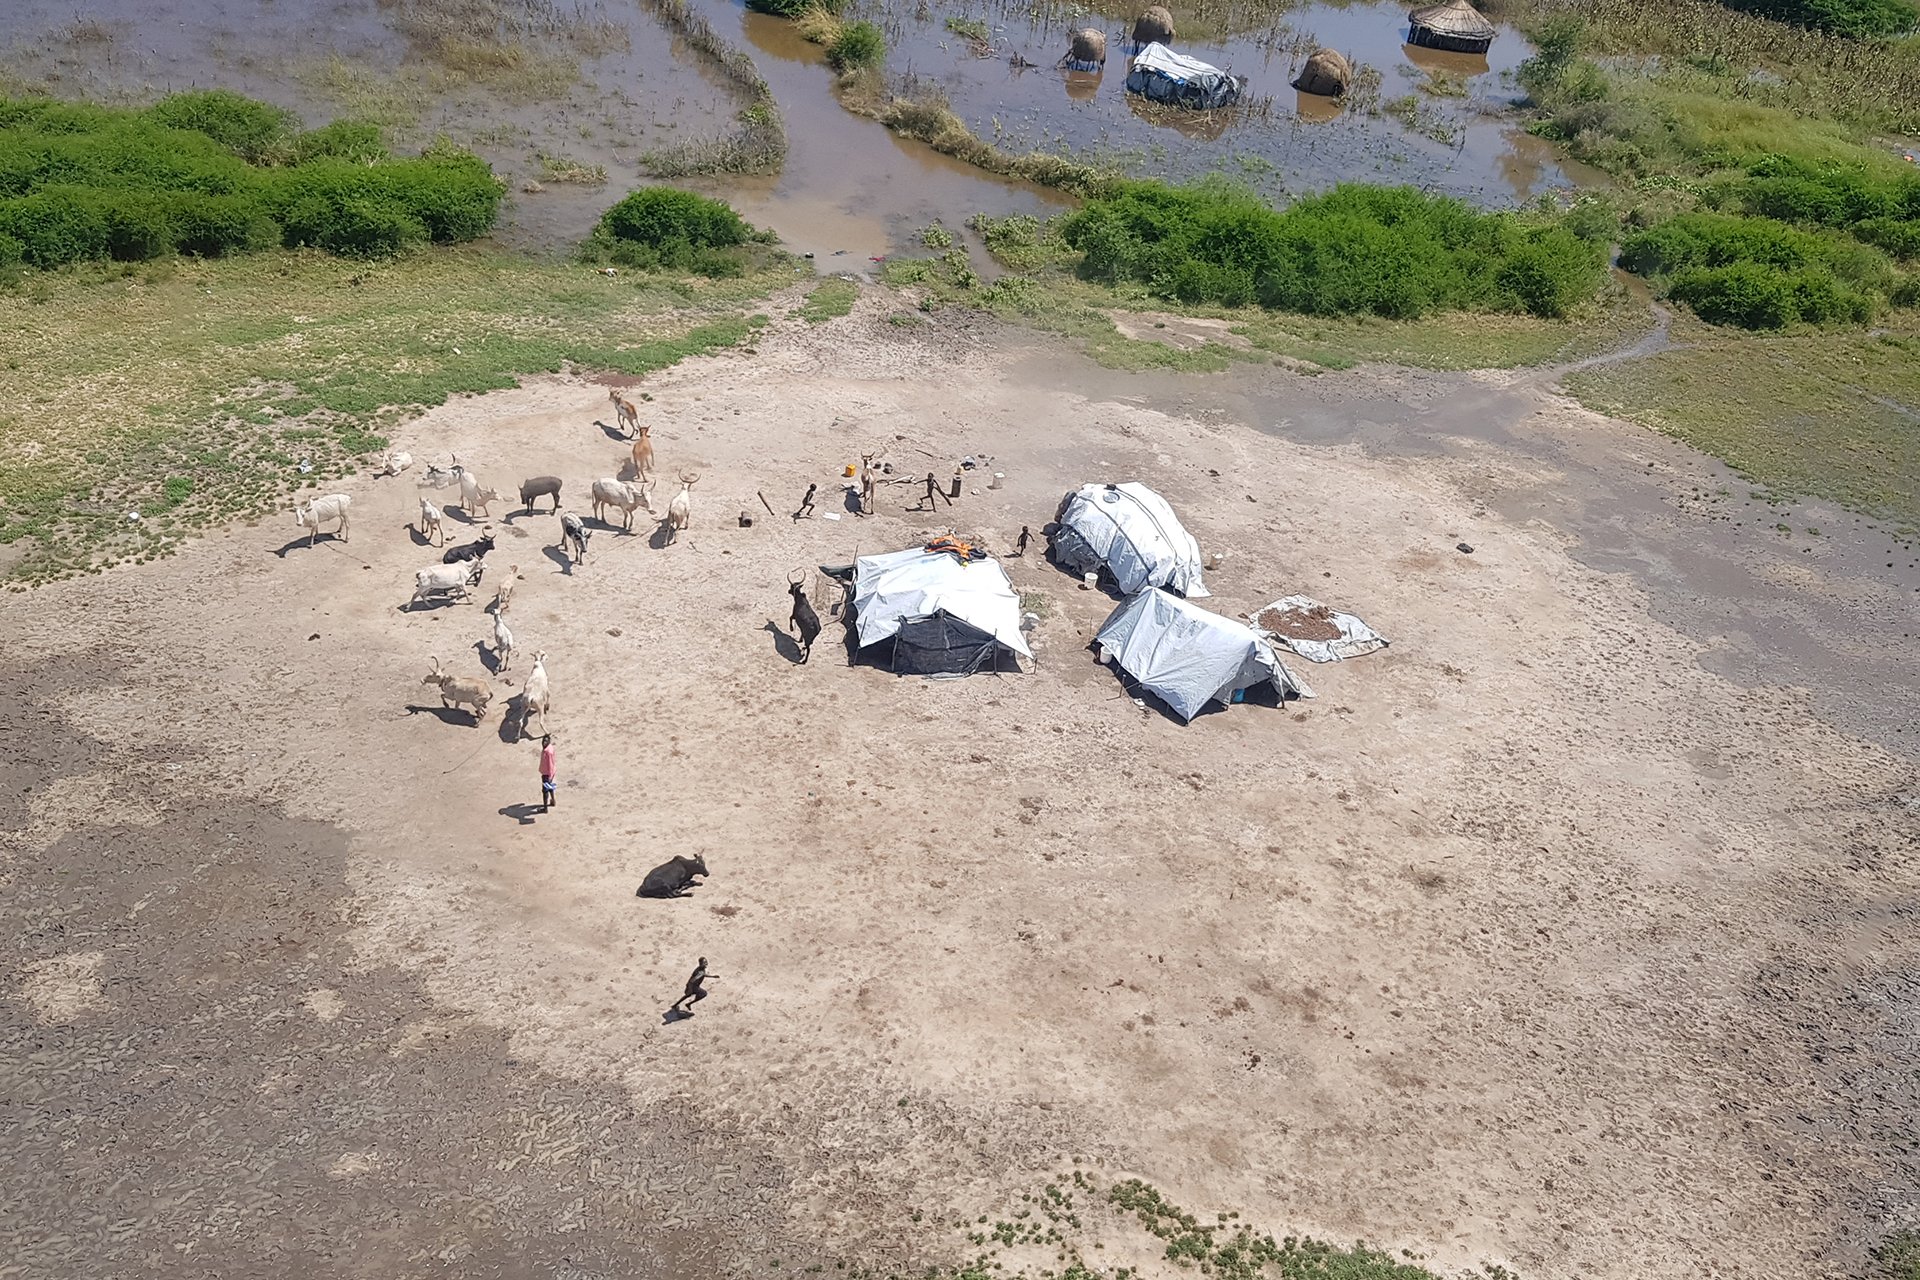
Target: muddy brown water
[[607, 82]]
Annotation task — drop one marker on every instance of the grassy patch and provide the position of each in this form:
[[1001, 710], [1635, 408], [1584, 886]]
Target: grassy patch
[[758, 144], [829, 300], [1832, 415], [562, 169], [248, 367]]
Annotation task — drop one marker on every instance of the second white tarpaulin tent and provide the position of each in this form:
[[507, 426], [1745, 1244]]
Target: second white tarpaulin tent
[[945, 615], [1187, 656], [1131, 533]]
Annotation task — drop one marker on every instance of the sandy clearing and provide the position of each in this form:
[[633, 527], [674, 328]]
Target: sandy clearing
[[1530, 940]]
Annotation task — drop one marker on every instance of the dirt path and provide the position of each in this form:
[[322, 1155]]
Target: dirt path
[[1530, 940]]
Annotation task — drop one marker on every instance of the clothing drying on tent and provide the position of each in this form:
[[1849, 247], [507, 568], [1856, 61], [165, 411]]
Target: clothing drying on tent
[[1162, 75], [1188, 657], [944, 616], [1129, 531]]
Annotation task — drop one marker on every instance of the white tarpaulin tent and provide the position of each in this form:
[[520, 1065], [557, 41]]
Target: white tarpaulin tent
[[1355, 638], [956, 615], [1131, 532], [1188, 657], [1159, 73]]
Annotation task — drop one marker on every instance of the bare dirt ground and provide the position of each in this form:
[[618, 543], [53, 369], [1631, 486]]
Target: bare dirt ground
[[1533, 939]]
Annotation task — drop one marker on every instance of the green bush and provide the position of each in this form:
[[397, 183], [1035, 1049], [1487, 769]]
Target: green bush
[[859, 45], [1388, 251], [1753, 296], [1897, 237], [1866, 19], [667, 219], [80, 182], [341, 140], [254, 131]]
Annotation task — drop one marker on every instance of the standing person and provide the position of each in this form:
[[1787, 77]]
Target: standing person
[[549, 794]]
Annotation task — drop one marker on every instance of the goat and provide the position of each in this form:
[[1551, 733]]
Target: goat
[[673, 878], [574, 535], [535, 697], [643, 452], [867, 483], [456, 580], [458, 690], [429, 524], [502, 642], [475, 496], [503, 594], [618, 493], [803, 619], [394, 463], [437, 477], [320, 511], [468, 550], [540, 487], [623, 410], [680, 510]]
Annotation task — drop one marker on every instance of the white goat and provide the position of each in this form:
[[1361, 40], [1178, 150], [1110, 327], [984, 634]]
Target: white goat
[[502, 642], [535, 696], [455, 580], [503, 594], [322, 511], [430, 522], [436, 477], [394, 463], [475, 496], [608, 492], [680, 510]]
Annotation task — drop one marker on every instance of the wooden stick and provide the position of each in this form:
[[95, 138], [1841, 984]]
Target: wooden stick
[[763, 501]]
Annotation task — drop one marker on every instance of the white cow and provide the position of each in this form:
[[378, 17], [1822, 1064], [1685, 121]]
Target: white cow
[[323, 511]]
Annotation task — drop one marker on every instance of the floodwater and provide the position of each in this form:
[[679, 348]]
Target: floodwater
[[1438, 120], [604, 82]]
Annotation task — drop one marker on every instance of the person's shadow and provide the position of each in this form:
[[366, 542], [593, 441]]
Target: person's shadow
[[675, 1014], [524, 814]]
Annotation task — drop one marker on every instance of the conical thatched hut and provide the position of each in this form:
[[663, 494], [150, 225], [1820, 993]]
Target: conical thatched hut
[[1326, 73], [1086, 49], [1155, 26], [1455, 25]]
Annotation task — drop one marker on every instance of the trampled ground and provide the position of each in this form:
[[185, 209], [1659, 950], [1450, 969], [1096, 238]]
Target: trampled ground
[[1564, 934]]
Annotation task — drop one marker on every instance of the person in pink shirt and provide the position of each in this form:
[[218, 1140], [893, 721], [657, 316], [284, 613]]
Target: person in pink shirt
[[548, 792]]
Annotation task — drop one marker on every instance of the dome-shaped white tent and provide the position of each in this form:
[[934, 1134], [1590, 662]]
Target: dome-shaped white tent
[[1131, 533]]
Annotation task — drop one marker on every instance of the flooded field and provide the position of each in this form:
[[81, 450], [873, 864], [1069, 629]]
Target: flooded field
[[567, 103]]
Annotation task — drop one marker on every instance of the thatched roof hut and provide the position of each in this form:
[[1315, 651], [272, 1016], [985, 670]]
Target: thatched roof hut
[[1155, 26], [1455, 25], [1326, 73], [1086, 49]]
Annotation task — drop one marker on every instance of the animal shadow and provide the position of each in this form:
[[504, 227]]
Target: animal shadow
[[661, 535], [445, 715], [613, 433], [783, 644], [419, 539], [488, 658], [524, 814], [461, 514], [301, 541], [851, 502], [513, 719], [559, 556]]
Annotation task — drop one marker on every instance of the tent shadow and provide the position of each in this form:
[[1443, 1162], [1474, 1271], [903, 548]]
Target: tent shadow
[[783, 644]]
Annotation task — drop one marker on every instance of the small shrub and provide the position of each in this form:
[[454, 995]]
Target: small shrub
[[342, 140], [55, 227], [215, 226], [254, 131], [1751, 295], [1898, 238], [1863, 19], [353, 226], [859, 45], [664, 218]]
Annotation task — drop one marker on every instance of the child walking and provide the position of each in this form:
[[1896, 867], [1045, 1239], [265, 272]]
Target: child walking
[[549, 794]]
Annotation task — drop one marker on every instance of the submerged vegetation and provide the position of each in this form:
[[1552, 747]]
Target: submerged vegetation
[[212, 173], [758, 143]]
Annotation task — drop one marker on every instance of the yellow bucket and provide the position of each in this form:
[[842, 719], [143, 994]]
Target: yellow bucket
[[851, 469]]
